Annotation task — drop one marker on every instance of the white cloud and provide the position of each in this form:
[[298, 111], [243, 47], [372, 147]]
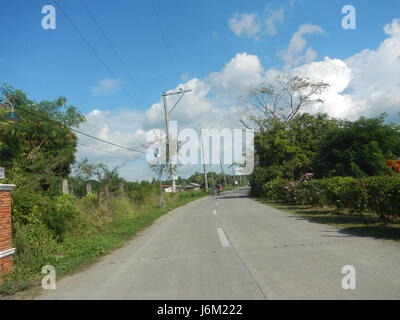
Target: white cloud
[[245, 23], [241, 72], [337, 74], [376, 72], [372, 77], [292, 56], [121, 127], [196, 110], [250, 24], [274, 17], [106, 86], [367, 83]]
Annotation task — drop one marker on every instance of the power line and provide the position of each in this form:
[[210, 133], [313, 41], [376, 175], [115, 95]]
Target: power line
[[114, 50], [108, 151], [94, 51], [78, 131], [162, 33], [81, 144]]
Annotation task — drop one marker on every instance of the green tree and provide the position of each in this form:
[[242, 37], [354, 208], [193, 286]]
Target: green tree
[[358, 148], [39, 149], [287, 150]]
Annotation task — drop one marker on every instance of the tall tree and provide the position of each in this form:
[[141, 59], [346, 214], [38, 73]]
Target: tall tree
[[39, 149], [281, 101], [288, 151], [358, 148]]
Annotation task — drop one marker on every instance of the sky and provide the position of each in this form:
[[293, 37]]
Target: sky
[[217, 49]]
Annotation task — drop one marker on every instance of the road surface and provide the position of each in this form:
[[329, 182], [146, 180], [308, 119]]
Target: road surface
[[232, 247]]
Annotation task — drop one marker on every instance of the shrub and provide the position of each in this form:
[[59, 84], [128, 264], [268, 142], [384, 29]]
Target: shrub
[[257, 180], [58, 214], [384, 195], [346, 193], [307, 192], [380, 195], [275, 190]]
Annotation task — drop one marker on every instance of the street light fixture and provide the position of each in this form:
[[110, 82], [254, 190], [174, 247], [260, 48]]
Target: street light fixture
[[11, 116]]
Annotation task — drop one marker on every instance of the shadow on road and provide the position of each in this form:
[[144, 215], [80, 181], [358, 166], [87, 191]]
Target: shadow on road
[[351, 225], [233, 196], [377, 232]]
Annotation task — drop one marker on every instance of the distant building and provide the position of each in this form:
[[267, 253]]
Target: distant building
[[166, 188], [193, 186]]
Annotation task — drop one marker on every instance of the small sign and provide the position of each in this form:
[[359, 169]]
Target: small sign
[[2, 173], [175, 177]]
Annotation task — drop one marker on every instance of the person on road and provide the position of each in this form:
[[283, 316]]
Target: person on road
[[219, 188]]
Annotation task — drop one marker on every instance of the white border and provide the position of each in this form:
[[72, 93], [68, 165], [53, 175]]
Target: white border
[[7, 187], [6, 253]]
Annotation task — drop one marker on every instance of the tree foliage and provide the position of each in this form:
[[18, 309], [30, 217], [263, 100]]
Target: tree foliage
[[288, 150], [37, 150], [358, 149]]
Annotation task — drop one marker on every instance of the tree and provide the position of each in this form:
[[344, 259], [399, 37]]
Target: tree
[[288, 150], [160, 167], [39, 149], [358, 148], [280, 102], [86, 171], [110, 180]]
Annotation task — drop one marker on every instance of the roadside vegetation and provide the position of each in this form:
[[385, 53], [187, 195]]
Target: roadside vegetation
[[80, 230], [100, 209], [341, 172]]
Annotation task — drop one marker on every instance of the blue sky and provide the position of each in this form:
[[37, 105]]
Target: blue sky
[[48, 63], [182, 41]]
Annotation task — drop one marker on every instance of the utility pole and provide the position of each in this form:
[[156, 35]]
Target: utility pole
[[164, 95], [223, 173], [204, 165], [212, 178], [167, 150]]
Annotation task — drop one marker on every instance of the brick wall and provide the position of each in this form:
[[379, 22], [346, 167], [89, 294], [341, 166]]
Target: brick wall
[[6, 265], [5, 228]]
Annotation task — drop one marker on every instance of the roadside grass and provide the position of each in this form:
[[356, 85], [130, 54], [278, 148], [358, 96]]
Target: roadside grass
[[367, 225], [78, 251]]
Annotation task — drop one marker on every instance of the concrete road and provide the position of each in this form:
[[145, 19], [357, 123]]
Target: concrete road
[[232, 247]]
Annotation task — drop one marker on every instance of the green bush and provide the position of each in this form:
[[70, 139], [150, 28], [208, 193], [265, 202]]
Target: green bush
[[257, 180], [56, 213], [346, 193], [380, 195], [306, 192], [59, 213], [383, 195], [275, 190]]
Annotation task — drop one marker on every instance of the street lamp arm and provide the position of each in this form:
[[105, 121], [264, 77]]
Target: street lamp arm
[[175, 92], [11, 117], [9, 103]]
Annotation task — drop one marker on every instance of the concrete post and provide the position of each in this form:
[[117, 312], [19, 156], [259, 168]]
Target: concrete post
[[6, 250], [65, 186], [88, 187]]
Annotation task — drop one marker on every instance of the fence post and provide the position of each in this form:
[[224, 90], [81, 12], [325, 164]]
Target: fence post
[[65, 186], [88, 187], [6, 250]]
